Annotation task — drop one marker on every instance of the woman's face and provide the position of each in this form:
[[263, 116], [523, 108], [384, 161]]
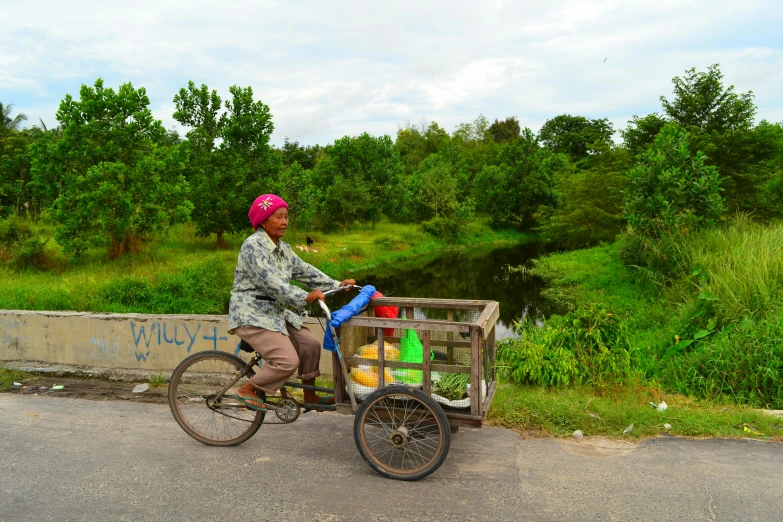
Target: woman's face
[[276, 224]]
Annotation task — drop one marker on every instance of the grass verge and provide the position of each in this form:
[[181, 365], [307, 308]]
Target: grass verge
[[8, 376], [183, 273], [609, 411]]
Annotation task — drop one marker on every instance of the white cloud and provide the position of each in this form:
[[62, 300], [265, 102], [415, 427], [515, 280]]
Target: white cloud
[[336, 68]]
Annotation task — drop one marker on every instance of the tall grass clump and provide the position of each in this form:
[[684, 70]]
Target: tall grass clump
[[745, 365], [588, 345], [744, 265]]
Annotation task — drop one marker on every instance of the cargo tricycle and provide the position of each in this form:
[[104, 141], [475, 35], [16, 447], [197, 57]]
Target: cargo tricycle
[[411, 378]]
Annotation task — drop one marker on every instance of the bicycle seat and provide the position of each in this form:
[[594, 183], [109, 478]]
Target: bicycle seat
[[245, 347]]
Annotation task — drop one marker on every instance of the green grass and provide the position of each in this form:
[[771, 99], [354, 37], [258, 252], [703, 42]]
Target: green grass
[[609, 411], [744, 264], [710, 327], [158, 380], [183, 273], [9, 376]]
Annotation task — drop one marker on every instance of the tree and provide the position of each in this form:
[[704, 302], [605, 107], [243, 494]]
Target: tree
[[589, 201], [474, 132], [672, 192], [120, 183], [296, 187], [49, 164], [641, 132], [231, 161], [702, 105], [574, 135], [305, 156], [118, 205], [438, 189], [506, 130], [345, 202], [14, 172], [522, 181], [747, 160], [415, 144], [372, 165], [440, 181], [720, 124], [7, 123], [475, 145]]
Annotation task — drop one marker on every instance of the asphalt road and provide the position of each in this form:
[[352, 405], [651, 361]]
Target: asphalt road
[[72, 459]]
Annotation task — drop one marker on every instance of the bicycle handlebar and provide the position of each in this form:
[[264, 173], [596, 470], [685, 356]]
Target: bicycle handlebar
[[345, 288], [333, 291]]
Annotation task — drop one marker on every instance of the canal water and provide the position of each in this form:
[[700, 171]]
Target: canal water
[[471, 274]]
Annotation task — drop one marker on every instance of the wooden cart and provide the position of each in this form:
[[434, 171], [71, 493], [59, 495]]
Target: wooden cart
[[461, 333]]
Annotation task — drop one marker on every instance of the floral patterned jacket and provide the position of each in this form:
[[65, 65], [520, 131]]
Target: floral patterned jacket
[[265, 270]]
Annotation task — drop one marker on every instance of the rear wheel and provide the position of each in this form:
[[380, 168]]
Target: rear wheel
[[402, 433], [213, 420]]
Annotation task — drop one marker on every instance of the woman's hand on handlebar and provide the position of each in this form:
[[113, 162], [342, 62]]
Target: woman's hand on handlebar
[[315, 294], [348, 282]]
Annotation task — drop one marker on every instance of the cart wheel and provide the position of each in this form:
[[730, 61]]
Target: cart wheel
[[402, 433]]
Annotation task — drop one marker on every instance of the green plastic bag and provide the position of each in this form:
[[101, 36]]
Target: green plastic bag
[[411, 351]]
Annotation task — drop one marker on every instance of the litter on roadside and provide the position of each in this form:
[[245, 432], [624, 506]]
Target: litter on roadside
[[629, 429], [141, 388], [660, 407], [57, 387], [17, 384]]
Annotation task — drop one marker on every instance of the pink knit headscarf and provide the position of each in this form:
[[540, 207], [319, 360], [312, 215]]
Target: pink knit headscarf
[[263, 207]]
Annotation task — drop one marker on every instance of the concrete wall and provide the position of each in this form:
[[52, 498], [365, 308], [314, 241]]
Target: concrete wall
[[132, 341]]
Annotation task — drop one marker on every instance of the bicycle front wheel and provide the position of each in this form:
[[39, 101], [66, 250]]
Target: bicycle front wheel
[[193, 398]]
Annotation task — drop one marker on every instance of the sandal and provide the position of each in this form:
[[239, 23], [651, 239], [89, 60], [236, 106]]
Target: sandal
[[246, 401], [325, 403]]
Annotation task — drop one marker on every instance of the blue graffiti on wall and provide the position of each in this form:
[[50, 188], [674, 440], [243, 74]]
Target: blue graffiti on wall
[[145, 335], [103, 346]]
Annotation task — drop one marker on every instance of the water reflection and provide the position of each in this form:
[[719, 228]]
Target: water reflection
[[471, 274]]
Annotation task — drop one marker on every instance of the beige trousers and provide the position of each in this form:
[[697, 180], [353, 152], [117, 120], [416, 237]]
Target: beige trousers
[[283, 355]]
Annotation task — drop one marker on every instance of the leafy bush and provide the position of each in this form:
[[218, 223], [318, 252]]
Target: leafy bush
[[672, 192], [13, 230], [587, 345], [31, 252], [202, 288], [20, 246], [443, 228]]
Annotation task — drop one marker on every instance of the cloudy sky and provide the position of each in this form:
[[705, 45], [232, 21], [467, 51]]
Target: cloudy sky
[[329, 69]]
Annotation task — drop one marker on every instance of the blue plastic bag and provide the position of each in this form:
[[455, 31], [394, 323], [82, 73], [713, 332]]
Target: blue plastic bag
[[355, 307]]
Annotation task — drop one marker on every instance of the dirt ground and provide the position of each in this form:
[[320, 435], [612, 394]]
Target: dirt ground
[[93, 389]]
